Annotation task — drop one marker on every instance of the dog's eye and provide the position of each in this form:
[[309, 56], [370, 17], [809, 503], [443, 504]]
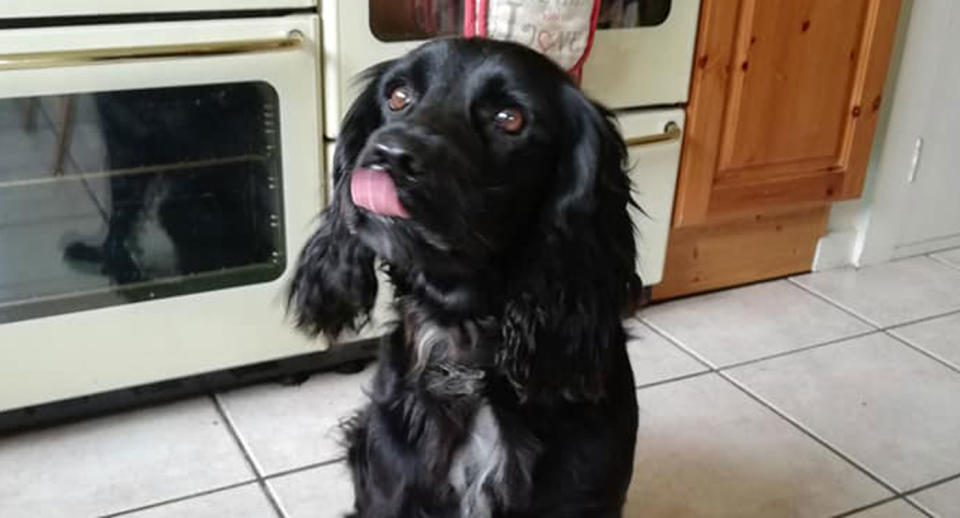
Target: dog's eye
[[509, 120], [400, 98]]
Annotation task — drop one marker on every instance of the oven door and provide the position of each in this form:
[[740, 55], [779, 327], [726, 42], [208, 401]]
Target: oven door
[[641, 56], [642, 53], [653, 140], [57, 8], [156, 185]]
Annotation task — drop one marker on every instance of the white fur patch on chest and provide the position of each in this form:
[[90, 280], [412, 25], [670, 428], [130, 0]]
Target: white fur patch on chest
[[429, 337], [479, 467]]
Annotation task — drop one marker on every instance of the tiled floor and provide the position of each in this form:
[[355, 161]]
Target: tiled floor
[[831, 394]]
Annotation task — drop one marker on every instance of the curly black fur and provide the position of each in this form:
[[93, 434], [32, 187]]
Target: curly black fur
[[505, 389]]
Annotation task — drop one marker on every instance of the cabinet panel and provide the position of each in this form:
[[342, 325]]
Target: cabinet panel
[[784, 101], [784, 109], [724, 254]]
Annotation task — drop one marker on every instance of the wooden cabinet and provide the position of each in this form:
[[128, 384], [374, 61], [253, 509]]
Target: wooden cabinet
[[784, 100]]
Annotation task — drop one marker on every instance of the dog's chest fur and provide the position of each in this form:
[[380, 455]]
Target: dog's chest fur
[[478, 470], [454, 366]]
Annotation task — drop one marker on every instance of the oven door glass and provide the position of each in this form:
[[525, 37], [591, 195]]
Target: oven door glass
[[120, 196], [628, 14], [407, 20]]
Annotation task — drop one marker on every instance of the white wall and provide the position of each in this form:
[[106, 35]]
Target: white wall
[[896, 217]]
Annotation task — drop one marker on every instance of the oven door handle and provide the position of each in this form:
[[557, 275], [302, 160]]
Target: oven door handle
[[671, 131], [66, 58]]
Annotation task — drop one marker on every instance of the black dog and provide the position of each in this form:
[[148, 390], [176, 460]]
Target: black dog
[[505, 390]]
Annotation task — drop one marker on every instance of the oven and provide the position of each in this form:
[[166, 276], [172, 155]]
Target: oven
[[157, 180], [639, 66], [47, 9], [641, 55]]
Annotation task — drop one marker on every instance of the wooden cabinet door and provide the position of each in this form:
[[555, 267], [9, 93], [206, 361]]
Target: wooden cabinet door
[[783, 104]]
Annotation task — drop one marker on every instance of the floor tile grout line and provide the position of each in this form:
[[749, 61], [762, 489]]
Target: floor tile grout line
[[900, 259], [247, 455], [811, 434], [662, 333], [274, 499], [885, 501], [673, 343], [678, 344], [238, 439], [717, 368], [946, 363], [834, 303], [865, 320], [929, 485], [183, 498], [306, 467], [798, 350], [255, 480], [674, 379], [949, 264], [807, 290], [874, 328], [945, 314], [921, 320], [865, 507], [920, 507]]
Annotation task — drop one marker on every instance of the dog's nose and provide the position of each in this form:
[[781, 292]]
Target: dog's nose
[[394, 156]]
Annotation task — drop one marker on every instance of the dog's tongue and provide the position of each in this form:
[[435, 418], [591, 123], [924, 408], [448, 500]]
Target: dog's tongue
[[375, 191]]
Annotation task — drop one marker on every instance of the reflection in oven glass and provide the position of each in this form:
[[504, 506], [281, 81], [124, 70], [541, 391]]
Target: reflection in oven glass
[[624, 14], [113, 197], [405, 20]]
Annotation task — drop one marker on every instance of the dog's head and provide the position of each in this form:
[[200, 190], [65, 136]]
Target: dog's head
[[490, 186]]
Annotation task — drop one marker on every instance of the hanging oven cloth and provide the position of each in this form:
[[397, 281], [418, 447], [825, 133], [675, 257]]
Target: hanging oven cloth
[[563, 30]]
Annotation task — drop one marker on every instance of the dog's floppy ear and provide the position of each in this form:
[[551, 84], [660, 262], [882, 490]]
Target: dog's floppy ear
[[577, 277], [335, 285]]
